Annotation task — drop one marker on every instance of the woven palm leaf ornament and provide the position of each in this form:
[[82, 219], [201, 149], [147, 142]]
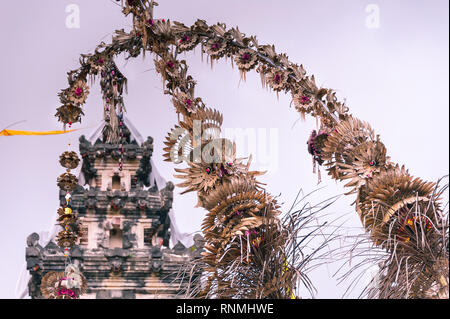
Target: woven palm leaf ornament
[[401, 213], [69, 284]]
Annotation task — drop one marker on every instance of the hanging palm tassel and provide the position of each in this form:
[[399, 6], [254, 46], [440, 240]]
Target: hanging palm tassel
[[319, 177], [70, 284], [248, 244], [314, 165], [240, 244]]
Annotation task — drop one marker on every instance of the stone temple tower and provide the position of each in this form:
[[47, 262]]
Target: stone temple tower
[[124, 227]]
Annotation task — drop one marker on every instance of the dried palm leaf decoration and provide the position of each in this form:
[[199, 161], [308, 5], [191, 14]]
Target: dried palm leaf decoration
[[398, 211], [69, 284]]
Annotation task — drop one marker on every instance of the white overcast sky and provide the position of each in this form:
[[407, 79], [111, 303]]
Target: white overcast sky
[[394, 76]]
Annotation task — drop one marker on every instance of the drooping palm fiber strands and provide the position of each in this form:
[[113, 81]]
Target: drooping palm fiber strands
[[417, 270], [303, 242]]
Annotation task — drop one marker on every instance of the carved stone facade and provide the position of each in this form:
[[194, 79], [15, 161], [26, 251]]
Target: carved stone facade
[[124, 228]]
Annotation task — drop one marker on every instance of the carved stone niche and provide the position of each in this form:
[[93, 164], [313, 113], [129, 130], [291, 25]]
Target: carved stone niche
[[128, 237], [116, 236], [103, 236], [115, 180], [116, 233], [150, 233]]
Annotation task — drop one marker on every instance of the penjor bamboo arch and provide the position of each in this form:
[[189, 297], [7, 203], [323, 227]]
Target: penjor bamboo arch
[[402, 214]]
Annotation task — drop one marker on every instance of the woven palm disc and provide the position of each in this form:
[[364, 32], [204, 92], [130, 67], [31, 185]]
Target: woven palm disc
[[386, 194]]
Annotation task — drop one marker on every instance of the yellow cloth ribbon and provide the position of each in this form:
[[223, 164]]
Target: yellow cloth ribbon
[[286, 268], [14, 132]]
